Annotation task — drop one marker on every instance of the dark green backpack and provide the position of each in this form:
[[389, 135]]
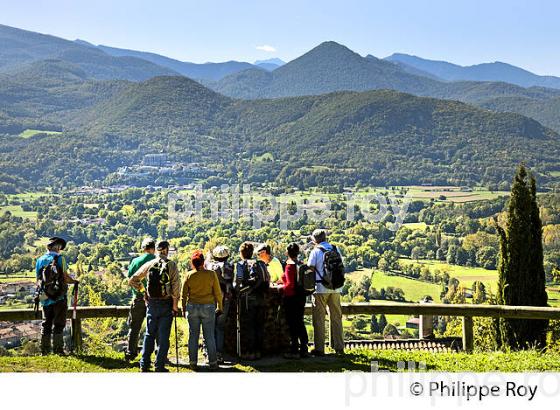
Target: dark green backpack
[[158, 280]]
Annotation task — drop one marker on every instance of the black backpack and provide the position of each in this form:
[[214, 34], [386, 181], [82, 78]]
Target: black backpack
[[257, 271], [158, 280], [333, 268], [225, 275], [305, 279], [52, 280]]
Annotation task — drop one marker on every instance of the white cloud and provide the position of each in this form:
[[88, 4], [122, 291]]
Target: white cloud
[[266, 48]]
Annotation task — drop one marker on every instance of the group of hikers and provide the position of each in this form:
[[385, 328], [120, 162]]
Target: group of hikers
[[206, 295]]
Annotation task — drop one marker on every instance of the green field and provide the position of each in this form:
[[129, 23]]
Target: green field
[[466, 275], [414, 290], [16, 210], [31, 133], [416, 226]]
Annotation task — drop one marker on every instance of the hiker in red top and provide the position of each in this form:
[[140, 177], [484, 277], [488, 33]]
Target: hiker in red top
[[294, 305]]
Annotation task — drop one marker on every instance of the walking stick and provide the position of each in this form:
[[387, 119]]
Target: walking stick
[[240, 294], [176, 345], [75, 326]]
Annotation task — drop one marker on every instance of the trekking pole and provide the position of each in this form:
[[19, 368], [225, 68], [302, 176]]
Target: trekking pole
[[36, 300], [239, 296], [75, 329], [176, 345], [238, 345]]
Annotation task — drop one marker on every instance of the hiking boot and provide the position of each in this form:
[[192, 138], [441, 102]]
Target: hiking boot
[[220, 358], [58, 344], [339, 352], [45, 344], [193, 367], [213, 366], [291, 356], [317, 353], [130, 357], [162, 370]]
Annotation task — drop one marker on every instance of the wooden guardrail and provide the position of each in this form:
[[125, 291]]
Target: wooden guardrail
[[467, 312]]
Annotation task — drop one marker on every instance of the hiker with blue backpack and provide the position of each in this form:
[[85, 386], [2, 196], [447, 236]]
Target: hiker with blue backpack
[[52, 293], [326, 260], [294, 293], [162, 293]]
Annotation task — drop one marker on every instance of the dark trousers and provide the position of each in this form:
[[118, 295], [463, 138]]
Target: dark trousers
[[135, 319], [252, 323], [159, 319], [54, 318], [294, 308], [220, 330]]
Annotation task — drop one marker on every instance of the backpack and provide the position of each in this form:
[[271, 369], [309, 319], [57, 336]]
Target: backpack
[[52, 280], [257, 271], [305, 279], [333, 268], [225, 275], [158, 280]]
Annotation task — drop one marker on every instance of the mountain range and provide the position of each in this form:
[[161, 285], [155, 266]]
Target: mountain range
[[496, 71], [329, 117]]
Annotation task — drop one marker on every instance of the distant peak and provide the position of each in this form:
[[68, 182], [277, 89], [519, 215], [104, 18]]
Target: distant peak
[[83, 43], [275, 61]]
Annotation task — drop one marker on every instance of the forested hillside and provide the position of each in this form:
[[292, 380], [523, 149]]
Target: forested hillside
[[333, 139]]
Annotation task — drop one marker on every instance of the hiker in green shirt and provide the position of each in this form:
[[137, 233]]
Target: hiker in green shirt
[[138, 306]]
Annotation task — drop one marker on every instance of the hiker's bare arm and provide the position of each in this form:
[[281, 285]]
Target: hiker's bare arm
[[69, 279], [136, 280]]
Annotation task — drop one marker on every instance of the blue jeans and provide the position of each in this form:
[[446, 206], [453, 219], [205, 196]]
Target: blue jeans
[[204, 315], [159, 318]]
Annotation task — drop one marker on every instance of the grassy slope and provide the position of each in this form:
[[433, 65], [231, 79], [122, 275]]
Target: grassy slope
[[16, 210], [30, 133], [466, 275], [357, 360]]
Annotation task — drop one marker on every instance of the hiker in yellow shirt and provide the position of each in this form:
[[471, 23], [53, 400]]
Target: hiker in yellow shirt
[[274, 266]]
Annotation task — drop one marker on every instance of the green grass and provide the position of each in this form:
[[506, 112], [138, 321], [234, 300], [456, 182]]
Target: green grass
[[451, 193], [16, 210], [418, 226], [466, 275], [31, 133], [555, 174], [354, 360], [414, 290], [553, 296]]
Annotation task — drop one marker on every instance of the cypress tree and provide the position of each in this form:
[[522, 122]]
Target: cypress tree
[[382, 323], [521, 279]]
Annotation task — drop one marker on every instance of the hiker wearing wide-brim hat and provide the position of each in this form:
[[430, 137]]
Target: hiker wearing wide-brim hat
[[55, 241], [52, 282]]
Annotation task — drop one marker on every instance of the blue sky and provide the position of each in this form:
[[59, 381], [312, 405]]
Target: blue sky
[[523, 33]]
